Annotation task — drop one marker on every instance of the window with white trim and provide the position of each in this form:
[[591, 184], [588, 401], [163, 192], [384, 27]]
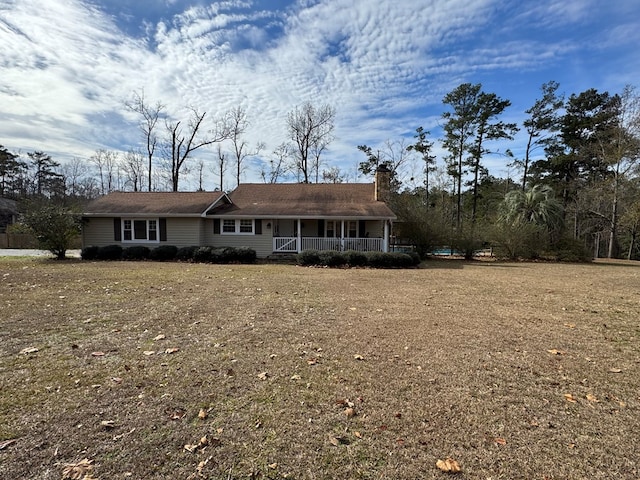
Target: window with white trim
[[246, 226], [140, 230], [228, 226], [238, 226]]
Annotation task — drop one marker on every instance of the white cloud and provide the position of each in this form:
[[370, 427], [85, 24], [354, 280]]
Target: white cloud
[[384, 65]]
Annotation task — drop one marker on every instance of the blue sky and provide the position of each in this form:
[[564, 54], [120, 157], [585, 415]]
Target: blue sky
[[385, 65]]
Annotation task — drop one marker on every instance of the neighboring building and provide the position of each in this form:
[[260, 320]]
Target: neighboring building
[[8, 213], [270, 218]]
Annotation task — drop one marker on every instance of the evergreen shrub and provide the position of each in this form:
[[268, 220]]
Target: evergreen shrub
[[186, 254], [89, 253], [135, 252], [164, 253], [109, 252]]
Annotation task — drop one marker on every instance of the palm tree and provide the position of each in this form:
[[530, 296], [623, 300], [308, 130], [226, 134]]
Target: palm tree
[[537, 206]]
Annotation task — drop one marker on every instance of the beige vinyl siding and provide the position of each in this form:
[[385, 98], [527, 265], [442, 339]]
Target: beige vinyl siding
[[375, 228], [208, 235], [184, 232], [181, 232], [97, 232], [262, 244]]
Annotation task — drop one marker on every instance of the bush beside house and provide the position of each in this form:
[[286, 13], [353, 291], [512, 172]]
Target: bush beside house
[[170, 253], [332, 258]]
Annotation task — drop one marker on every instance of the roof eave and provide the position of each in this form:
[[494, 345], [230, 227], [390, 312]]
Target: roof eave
[[305, 217], [142, 215]]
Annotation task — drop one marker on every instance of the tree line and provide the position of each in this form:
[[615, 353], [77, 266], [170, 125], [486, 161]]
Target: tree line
[[577, 189]]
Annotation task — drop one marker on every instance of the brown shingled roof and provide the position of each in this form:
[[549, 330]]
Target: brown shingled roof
[[305, 200], [147, 203]]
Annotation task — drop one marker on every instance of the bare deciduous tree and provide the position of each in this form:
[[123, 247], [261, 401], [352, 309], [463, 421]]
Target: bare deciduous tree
[[74, 172], [277, 163], [200, 166], [310, 128], [221, 166], [134, 170], [238, 123], [333, 175], [394, 155], [106, 162], [150, 116], [182, 143], [622, 153]]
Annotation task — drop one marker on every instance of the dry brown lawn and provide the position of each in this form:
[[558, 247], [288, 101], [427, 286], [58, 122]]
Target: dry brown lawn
[[512, 370]]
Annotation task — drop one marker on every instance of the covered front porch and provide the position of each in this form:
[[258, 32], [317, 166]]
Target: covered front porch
[[297, 235]]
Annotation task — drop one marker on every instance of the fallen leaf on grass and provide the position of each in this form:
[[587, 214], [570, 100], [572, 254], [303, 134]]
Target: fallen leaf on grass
[[615, 370], [570, 325], [148, 352], [570, 398], [554, 351], [5, 443], [189, 447], [357, 434], [108, 423], [350, 412], [78, 471], [358, 357], [448, 465], [177, 414], [273, 466], [122, 435], [172, 350], [202, 464], [295, 377], [97, 354], [204, 441], [263, 376], [592, 398], [28, 350], [500, 441], [162, 336], [116, 379], [202, 414]]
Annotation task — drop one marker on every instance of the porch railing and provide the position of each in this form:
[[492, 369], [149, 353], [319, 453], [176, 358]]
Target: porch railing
[[285, 244], [289, 244]]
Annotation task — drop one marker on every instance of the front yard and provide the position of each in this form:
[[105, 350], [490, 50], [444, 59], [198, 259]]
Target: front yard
[[154, 370]]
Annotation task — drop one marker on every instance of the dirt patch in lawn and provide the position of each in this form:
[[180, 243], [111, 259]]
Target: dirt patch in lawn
[[151, 370]]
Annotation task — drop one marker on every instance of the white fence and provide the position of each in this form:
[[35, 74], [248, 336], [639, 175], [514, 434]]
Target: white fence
[[290, 244]]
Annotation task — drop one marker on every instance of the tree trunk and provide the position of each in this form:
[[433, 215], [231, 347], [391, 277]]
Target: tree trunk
[[613, 230], [632, 245]]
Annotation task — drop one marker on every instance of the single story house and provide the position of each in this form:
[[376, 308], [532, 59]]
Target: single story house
[[270, 218]]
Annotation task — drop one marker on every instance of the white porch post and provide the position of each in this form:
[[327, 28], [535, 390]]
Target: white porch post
[[342, 235], [299, 234], [385, 240]]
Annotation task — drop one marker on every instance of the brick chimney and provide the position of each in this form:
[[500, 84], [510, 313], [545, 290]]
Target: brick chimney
[[382, 183]]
